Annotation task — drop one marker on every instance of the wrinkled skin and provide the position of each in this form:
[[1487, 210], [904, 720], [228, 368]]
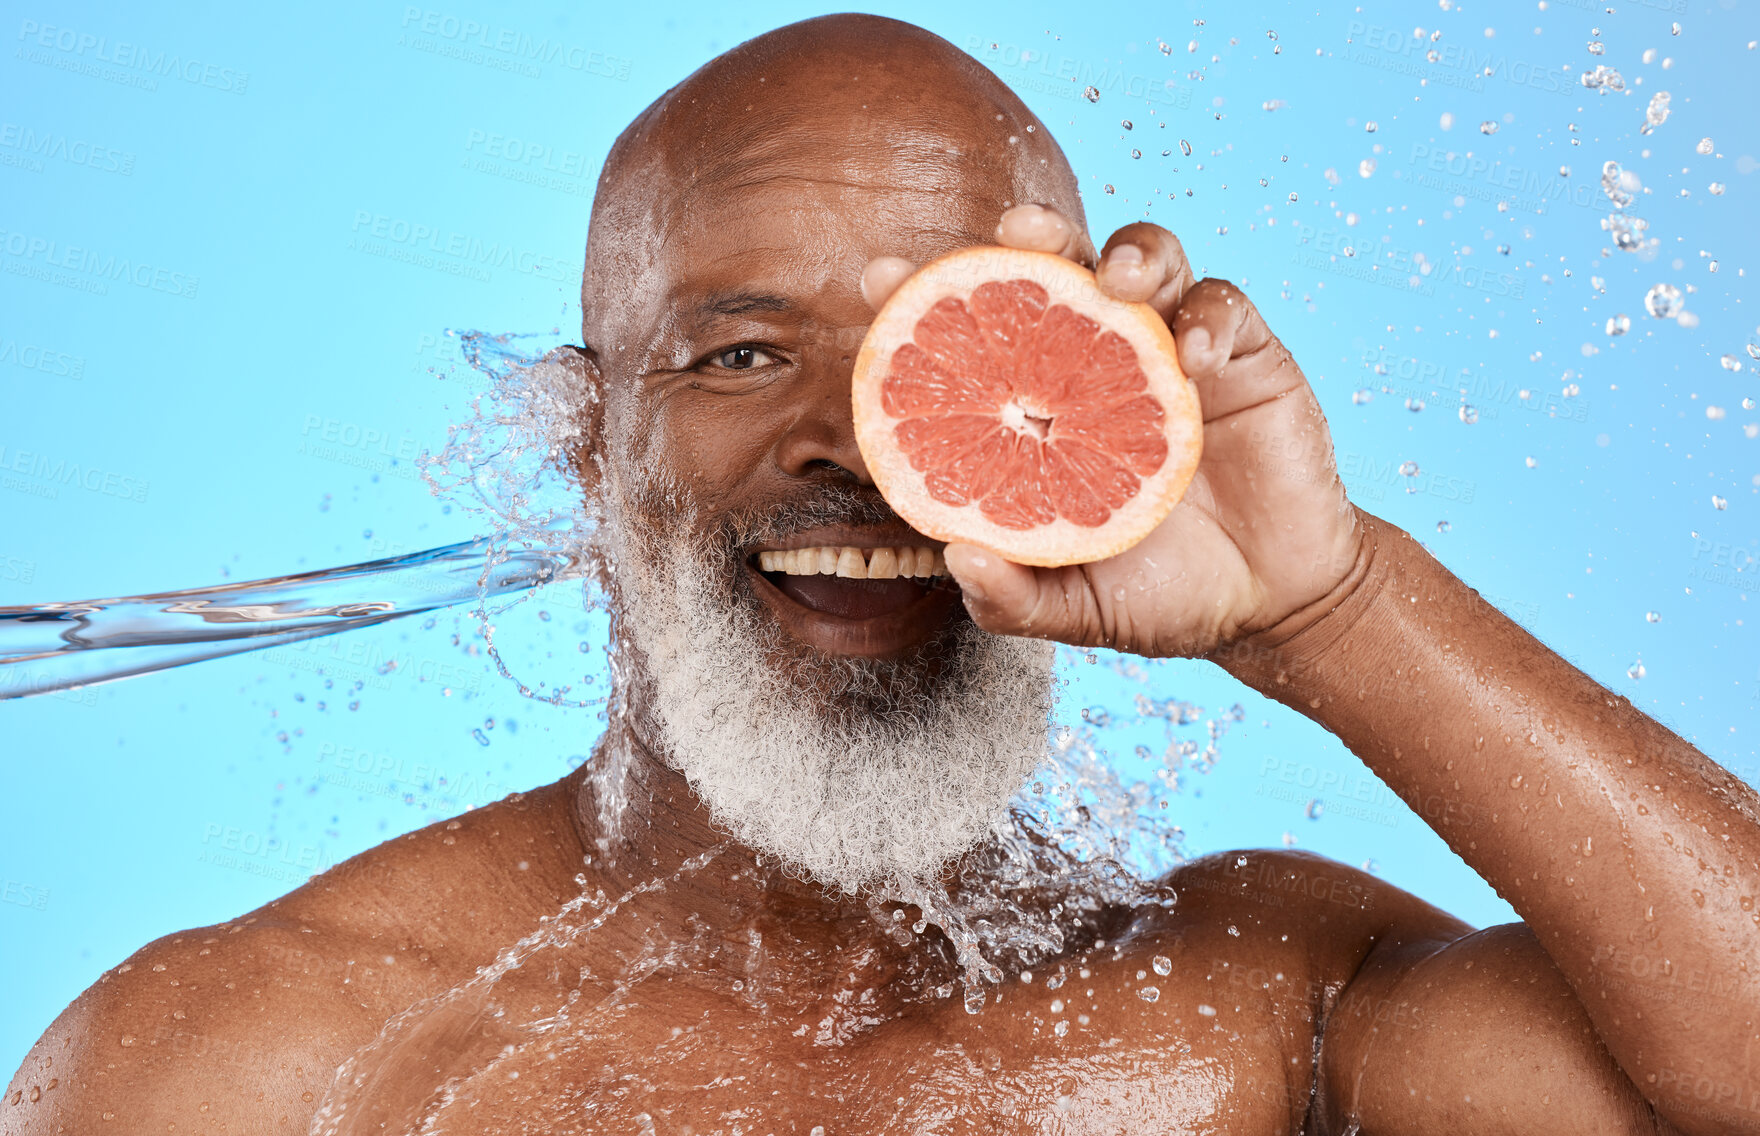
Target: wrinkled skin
[[768, 204]]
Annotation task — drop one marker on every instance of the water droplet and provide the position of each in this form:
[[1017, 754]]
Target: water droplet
[[1488, 127], [1531, 463], [1292, 199], [1408, 469], [1663, 301], [1162, 965], [1136, 153], [1126, 123], [1719, 503], [1704, 146], [1359, 397], [1469, 414], [1315, 809], [1656, 113], [482, 739], [1652, 617], [1604, 79], [1443, 526], [1675, 29], [1619, 325], [1109, 189], [1371, 126], [1716, 188], [1092, 94], [1149, 994], [1414, 405], [1366, 167], [1636, 670], [1207, 1011], [1597, 48], [1185, 147], [1731, 363]]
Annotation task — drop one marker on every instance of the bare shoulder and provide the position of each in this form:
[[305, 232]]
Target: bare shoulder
[[240, 1027]]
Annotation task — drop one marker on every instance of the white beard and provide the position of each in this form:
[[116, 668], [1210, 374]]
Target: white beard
[[857, 773]]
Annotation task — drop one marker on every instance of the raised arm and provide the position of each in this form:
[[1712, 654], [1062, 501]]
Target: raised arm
[[1633, 858]]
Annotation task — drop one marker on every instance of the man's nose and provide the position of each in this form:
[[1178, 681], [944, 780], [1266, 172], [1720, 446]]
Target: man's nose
[[823, 438]]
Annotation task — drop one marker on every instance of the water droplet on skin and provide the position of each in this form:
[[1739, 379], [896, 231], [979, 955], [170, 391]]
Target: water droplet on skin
[[1061, 1029], [1207, 1011], [1149, 994], [1162, 965], [1515, 782]]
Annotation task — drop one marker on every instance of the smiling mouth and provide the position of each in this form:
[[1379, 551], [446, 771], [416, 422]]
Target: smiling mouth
[[853, 583]]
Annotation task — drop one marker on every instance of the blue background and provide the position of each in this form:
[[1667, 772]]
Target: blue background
[[252, 388]]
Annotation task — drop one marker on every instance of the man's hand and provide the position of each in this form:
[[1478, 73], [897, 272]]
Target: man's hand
[[1264, 530]]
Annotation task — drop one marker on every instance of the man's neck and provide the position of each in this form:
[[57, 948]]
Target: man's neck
[[642, 825]]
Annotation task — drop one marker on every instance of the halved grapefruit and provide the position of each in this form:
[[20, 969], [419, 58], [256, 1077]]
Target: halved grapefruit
[[1002, 399]]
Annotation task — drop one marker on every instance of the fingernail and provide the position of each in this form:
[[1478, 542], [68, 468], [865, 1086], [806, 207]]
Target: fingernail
[[1125, 254], [1197, 343]]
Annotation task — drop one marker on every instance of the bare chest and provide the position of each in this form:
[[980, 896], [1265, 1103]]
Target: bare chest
[[673, 1062]]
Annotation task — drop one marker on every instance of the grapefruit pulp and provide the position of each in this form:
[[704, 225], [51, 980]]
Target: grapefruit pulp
[[1002, 399]]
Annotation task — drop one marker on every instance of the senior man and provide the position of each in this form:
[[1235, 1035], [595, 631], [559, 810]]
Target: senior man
[[691, 934]]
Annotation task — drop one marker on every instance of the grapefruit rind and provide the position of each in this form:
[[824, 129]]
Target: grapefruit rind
[[1061, 541]]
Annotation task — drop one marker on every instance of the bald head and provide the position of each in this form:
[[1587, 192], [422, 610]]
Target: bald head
[[866, 121]]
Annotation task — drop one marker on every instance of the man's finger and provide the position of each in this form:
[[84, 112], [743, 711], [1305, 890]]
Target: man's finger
[[1011, 599], [1144, 263], [1226, 349], [882, 277], [1043, 229]]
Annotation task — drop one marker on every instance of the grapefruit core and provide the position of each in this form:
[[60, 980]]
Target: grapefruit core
[[1002, 399]]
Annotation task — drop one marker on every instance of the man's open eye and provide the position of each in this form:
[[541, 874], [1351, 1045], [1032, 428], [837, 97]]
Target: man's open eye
[[743, 358]]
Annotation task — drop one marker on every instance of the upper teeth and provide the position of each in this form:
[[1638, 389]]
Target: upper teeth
[[855, 563]]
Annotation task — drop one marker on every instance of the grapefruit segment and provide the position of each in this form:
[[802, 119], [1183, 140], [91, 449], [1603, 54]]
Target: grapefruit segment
[[1001, 399]]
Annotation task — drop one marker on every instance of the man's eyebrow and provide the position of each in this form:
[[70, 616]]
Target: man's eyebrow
[[739, 303]]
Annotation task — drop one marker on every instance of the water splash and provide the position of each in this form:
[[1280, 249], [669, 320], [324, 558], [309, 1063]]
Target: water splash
[[64, 645]]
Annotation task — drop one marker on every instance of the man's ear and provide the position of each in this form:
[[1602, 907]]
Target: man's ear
[[586, 451]]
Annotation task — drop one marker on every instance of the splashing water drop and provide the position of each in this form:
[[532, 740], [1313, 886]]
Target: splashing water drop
[[1731, 363], [1619, 324], [1315, 809], [1488, 127], [1469, 414], [1719, 503], [1092, 94], [1656, 113], [1636, 670], [1652, 617], [1663, 301], [1371, 126], [1366, 167], [1704, 146]]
